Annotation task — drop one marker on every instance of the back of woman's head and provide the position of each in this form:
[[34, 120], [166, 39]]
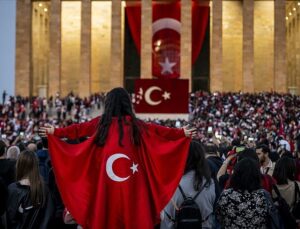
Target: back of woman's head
[[27, 168], [247, 153], [196, 162], [117, 104], [246, 176], [285, 169]]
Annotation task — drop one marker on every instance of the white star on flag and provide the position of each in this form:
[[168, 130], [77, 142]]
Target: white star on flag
[[134, 168], [167, 66], [166, 95]]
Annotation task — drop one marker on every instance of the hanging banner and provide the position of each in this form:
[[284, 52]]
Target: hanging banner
[[161, 96], [166, 28]]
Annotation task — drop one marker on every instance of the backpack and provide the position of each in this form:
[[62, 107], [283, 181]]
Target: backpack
[[296, 206], [284, 210], [189, 216]]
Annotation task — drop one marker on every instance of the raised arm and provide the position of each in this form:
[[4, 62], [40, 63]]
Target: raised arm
[[74, 131], [172, 133]]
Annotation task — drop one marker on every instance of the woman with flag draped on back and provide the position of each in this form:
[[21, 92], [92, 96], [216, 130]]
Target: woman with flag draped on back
[[125, 173]]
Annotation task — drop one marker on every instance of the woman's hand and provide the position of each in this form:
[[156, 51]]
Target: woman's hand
[[189, 132], [47, 129]]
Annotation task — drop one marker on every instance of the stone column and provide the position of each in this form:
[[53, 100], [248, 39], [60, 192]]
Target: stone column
[[216, 82], [85, 49], [280, 64], [146, 39], [298, 53], [55, 48], [23, 78], [186, 42], [116, 79], [248, 46]]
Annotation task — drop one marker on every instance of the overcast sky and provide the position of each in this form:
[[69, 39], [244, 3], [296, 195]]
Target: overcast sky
[[7, 45]]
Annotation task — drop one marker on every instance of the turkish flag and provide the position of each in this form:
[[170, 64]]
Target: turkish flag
[[118, 187], [166, 40], [161, 96], [166, 28]]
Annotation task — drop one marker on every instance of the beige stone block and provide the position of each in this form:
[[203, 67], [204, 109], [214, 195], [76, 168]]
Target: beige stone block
[[186, 42], [216, 74], [263, 46], [232, 46], [116, 77], [55, 48], [146, 39], [280, 65], [23, 81], [85, 55], [248, 46], [70, 47]]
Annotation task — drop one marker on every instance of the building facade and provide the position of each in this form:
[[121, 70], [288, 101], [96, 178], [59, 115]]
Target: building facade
[[80, 46]]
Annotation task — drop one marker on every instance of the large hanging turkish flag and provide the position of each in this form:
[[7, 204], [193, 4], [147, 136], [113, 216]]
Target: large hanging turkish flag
[[166, 29], [161, 96], [166, 40]]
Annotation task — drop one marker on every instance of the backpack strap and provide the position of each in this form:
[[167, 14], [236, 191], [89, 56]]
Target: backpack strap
[[182, 192], [201, 189], [169, 216], [276, 191], [197, 194]]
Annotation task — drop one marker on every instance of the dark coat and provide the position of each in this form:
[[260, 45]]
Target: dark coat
[[20, 212]]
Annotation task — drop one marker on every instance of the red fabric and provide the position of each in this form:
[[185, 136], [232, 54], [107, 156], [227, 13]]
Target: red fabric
[[150, 96], [133, 13], [168, 39], [200, 16], [95, 200], [166, 42]]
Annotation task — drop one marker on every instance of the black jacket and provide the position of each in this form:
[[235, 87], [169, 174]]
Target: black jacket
[[20, 212], [7, 170]]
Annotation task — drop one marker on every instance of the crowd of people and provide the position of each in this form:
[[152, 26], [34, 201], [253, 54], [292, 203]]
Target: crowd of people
[[242, 165]]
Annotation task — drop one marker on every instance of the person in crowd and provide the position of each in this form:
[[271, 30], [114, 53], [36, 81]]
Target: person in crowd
[[197, 177], [284, 174], [3, 197], [42, 154], [7, 166], [4, 94], [213, 158], [244, 204], [266, 164], [224, 177], [29, 203], [134, 198], [13, 152], [32, 147]]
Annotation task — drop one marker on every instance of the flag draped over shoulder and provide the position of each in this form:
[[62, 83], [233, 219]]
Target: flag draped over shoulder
[[118, 187]]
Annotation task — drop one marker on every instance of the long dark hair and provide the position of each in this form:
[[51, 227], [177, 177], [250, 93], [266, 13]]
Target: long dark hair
[[118, 104], [28, 167], [196, 162], [285, 169], [246, 176]]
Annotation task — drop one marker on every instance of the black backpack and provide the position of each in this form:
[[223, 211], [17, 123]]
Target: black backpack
[[189, 216], [284, 210], [296, 206]]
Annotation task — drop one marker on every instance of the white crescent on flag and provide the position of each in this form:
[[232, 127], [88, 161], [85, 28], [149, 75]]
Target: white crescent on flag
[[109, 169], [148, 95], [166, 23]]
